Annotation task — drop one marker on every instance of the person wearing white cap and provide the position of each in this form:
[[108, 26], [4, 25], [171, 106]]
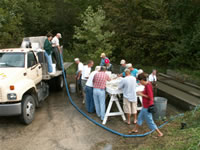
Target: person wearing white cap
[[103, 57], [57, 49], [138, 73], [123, 66], [78, 73], [134, 71], [89, 91]]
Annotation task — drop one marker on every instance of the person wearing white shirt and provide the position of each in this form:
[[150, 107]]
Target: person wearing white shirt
[[78, 74], [153, 79], [89, 91], [85, 75], [55, 41], [152, 76], [57, 50], [128, 85]]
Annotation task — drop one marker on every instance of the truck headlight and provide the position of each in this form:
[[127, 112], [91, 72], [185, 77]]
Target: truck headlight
[[12, 96]]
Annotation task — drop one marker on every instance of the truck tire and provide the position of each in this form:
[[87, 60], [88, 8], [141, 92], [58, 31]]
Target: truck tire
[[28, 109], [59, 83]]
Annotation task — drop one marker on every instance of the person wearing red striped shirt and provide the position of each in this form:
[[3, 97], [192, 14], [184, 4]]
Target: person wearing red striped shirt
[[99, 93]]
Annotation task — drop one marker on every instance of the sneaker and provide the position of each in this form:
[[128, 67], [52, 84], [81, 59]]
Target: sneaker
[[83, 101], [51, 73]]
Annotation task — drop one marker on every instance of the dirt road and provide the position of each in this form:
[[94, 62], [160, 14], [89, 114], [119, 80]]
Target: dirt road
[[57, 126]]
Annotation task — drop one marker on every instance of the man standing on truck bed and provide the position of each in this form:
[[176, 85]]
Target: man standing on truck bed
[[48, 51], [57, 49]]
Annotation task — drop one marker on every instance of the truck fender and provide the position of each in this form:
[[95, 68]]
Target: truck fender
[[24, 86]]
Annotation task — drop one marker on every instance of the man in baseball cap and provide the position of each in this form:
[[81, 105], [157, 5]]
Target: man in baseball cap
[[57, 50], [123, 66], [133, 71], [103, 57]]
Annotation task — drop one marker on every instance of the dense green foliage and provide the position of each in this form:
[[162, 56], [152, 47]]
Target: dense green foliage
[[92, 37], [150, 32]]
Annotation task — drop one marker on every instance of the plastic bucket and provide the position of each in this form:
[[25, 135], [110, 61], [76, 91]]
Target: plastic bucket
[[72, 88], [160, 104], [54, 68]]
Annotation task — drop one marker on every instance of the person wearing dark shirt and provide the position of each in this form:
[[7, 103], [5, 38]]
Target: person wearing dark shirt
[[103, 58], [108, 65], [48, 51], [147, 101], [123, 66]]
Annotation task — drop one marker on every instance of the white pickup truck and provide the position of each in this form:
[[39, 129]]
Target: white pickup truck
[[24, 81]]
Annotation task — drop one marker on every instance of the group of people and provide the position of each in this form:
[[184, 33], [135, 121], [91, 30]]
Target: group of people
[[52, 46], [94, 90], [93, 86]]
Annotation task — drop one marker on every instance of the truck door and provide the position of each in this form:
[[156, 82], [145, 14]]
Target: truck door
[[34, 70]]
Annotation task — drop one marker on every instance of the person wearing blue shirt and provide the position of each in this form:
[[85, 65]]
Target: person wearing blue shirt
[[133, 71], [103, 57]]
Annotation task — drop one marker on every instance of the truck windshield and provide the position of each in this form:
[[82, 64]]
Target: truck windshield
[[8, 60]]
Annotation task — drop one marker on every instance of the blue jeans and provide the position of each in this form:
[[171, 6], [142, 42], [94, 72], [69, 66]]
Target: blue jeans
[[145, 115], [89, 99], [99, 101], [49, 62]]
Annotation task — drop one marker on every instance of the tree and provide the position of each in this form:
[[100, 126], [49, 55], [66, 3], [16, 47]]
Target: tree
[[92, 37], [142, 30], [185, 16], [11, 31]]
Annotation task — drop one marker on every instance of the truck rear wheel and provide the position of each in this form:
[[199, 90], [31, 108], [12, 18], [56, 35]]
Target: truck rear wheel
[[59, 83], [28, 109]]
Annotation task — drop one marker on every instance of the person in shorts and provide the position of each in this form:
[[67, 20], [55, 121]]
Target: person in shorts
[[128, 85]]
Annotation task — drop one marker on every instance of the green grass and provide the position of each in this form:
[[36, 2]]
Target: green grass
[[72, 69], [174, 138], [192, 75]]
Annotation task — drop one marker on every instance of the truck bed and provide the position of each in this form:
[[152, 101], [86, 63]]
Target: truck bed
[[58, 72]]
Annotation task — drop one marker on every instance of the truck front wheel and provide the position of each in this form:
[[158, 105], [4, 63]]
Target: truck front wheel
[[28, 109]]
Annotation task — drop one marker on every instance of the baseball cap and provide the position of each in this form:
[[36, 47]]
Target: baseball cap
[[107, 61], [76, 59], [129, 65], [97, 68], [103, 54], [122, 61]]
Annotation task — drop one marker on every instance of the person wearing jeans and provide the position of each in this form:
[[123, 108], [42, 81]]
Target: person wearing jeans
[[49, 62], [147, 101], [99, 93], [89, 91], [99, 101], [48, 51], [85, 76]]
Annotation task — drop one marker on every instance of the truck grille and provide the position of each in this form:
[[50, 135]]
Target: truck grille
[[0, 95]]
